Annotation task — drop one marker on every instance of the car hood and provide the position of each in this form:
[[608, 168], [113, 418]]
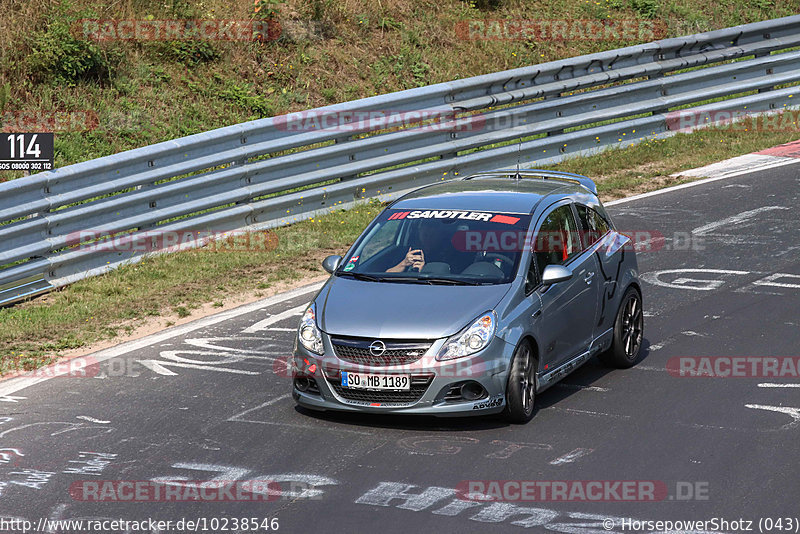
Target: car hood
[[392, 310]]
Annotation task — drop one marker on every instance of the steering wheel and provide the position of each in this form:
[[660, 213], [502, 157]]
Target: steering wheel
[[495, 256]]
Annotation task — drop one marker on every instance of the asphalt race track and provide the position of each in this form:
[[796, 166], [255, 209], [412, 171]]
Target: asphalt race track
[[208, 402]]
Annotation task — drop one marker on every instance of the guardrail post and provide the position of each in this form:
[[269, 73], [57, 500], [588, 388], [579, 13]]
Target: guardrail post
[[558, 114], [351, 157], [769, 70]]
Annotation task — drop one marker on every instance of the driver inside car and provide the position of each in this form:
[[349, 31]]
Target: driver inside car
[[434, 251], [429, 239]]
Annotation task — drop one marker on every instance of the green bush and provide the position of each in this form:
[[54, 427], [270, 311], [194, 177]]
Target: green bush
[[646, 8], [59, 55], [243, 96], [190, 52]]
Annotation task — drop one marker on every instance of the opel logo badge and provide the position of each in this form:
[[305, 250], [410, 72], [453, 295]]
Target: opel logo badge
[[377, 348]]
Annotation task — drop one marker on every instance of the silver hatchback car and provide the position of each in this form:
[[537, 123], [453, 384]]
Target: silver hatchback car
[[469, 297]]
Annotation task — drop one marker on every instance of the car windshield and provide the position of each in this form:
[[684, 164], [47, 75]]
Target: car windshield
[[456, 247]]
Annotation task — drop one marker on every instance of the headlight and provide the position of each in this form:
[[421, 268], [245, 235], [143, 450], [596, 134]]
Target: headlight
[[470, 340], [308, 333]]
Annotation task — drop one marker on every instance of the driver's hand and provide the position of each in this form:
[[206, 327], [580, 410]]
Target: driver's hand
[[414, 259], [417, 259]]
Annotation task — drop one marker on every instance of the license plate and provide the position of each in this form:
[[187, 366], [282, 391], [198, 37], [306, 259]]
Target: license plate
[[368, 381]]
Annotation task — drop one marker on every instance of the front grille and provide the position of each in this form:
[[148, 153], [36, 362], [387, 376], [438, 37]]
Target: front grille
[[357, 350], [419, 385]]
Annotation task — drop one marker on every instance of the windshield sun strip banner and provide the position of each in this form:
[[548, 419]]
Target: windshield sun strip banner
[[455, 214]]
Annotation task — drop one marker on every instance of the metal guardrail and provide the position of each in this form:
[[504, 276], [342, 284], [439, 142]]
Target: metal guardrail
[[250, 175]]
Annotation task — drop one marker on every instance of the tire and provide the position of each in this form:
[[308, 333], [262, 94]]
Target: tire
[[521, 385], [626, 346]]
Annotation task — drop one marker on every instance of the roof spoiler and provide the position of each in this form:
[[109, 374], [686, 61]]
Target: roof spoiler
[[539, 173]]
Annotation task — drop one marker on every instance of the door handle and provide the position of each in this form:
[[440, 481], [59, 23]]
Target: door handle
[[588, 278], [537, 313]]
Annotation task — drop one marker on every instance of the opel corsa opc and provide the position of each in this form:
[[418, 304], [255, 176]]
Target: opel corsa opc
[[469, 297]]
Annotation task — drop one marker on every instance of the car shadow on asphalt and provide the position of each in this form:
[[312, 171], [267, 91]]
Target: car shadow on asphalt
[[583, 377]]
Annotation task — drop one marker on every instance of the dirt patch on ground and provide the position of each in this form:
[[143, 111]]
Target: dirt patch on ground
[[635, 181], [650, 184]]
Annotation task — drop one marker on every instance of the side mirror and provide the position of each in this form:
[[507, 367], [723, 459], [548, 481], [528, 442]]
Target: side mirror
[[331, 263], [555, 273]]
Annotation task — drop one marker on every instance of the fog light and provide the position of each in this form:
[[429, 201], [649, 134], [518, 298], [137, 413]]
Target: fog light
[[472, 391], [302, 383]]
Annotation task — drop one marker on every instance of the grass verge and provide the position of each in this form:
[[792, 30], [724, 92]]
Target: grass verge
[[112, 95]]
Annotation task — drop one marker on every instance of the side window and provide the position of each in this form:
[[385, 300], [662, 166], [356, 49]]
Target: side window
[[593, 225], [557, 240]]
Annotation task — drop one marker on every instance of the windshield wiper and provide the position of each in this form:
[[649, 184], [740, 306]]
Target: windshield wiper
[[373, 278], [361, 276], [451, 281], [413, 279], [427, 280]]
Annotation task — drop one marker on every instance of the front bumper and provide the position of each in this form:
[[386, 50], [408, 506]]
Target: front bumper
[[431, 379]]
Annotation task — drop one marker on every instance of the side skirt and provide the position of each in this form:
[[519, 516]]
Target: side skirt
[[600, 343]]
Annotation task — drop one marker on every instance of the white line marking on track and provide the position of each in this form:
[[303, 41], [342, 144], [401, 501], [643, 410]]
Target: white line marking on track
[[238, 419], [581, 387], [770, 385], [92, 419], [263, 405], [770, 281], [11, 398], [158, 367], [215, 344], [794, 413], [70, 427], [653, 277], [734, 220], [571, 456], [587, 412], [691, 333], [648, 368], [269, 321], [746, 163]]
